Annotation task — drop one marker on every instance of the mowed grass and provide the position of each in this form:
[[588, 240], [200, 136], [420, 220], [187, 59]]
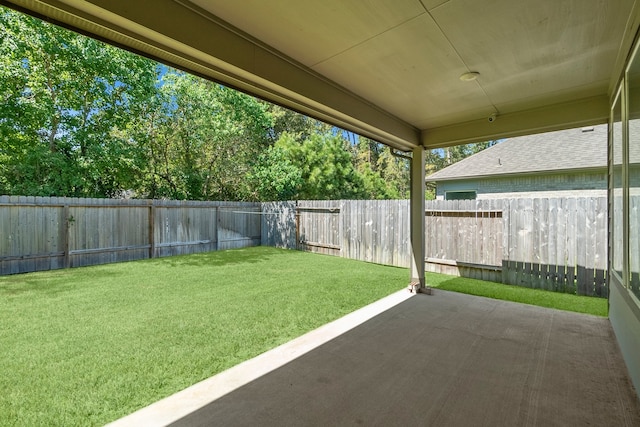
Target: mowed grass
[[86, 346], [541, 298]]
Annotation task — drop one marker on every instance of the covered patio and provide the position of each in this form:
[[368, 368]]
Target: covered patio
[[417, 75], [447, 359]]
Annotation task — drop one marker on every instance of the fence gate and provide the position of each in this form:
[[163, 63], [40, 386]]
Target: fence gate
[[318, 227]]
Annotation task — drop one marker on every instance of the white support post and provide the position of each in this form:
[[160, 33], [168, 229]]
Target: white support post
[[417, 220]]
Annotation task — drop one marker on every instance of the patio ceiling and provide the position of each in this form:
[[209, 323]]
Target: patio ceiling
[[387, 69]]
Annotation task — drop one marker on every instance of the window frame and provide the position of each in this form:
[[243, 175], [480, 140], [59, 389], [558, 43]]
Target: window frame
[[475, 194]]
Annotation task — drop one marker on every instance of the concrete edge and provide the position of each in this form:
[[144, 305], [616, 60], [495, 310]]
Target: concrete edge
[[182, 403]]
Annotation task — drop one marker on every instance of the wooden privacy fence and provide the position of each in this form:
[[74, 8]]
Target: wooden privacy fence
[[368, 230], [556, 244], [465, 237], [38, 233]]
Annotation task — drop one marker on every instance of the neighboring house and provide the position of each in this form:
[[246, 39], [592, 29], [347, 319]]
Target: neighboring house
[[553, 164]]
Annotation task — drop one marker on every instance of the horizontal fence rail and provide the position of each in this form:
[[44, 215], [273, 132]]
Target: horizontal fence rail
[[44, 233]]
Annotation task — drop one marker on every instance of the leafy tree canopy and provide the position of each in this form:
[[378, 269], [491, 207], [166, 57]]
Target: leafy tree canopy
[[67, 102]]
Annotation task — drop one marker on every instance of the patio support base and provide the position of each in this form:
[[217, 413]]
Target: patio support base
[[414, 288]]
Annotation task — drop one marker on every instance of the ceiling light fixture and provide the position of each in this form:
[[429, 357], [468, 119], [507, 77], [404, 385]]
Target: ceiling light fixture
[[470, 76]]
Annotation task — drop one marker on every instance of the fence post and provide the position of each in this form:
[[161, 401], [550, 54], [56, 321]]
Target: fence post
[[65, 235], [217, 231], [152, 227], [341, 229], [506, 226], [297, 227]]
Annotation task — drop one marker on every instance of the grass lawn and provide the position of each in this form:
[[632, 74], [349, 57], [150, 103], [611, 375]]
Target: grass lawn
[[86, 346], [560, 301]]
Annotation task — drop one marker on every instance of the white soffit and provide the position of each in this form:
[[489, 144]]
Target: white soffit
[[313, 31]]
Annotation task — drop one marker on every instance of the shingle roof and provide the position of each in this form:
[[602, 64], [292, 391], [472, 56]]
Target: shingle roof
[[564, 150]]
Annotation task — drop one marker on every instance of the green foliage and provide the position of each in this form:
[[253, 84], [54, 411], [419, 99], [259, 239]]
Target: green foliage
[[299, 126], [275, 176], [374, 185], [387, 175], [327, 168], [323, 164], [66, 102], [201, 140]]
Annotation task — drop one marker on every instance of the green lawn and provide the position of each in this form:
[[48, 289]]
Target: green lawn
[[86, 346], [560, 301]]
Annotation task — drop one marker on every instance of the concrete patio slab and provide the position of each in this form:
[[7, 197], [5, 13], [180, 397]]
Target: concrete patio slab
[[445, 360]]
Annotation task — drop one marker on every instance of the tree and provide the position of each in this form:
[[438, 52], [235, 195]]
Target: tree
[[64, 116], [320, 167], [395, 171], [296, 125], [202, 140], [385, 176], [275, 176]]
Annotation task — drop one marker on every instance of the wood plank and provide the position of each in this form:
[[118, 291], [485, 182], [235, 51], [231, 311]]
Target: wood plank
[[497, 230], [571, 245], [22, 235], [590, 244], [581, 250], [514, 242], [552, 218], [561, 246], [519, 238], [65, 225], [5, 233], [31, 232], [506, 227], [151, 231], [538, 233], [15, 247], [601, 244]]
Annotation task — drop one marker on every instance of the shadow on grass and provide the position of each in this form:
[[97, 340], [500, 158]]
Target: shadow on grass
[[228, 257], [479, 288], [467, 286], [542, 298], [20, 284], [54, 282]]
